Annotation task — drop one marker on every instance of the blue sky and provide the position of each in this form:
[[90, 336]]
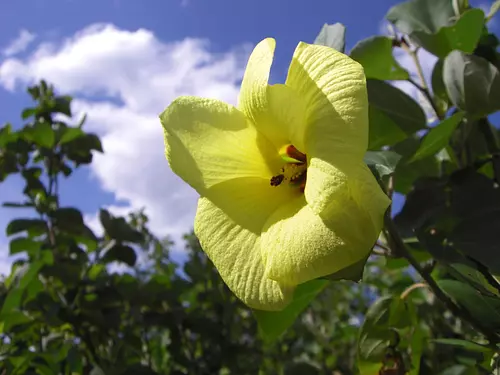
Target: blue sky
[[125, 60]]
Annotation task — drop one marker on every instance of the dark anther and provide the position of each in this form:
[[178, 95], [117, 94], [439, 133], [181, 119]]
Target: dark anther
[[277, 180]]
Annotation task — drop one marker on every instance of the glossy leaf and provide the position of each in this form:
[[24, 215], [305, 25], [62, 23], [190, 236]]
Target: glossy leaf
[[272, 324], [332, 36], [375, 54], [438, 137], [472, 83]]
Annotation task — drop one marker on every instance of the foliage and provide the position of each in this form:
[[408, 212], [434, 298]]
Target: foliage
[[80, 302]]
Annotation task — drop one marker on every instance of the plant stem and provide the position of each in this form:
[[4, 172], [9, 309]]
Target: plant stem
[[458, 311], [422, 87]]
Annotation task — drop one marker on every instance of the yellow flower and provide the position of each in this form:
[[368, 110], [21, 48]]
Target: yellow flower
[[285, 195]]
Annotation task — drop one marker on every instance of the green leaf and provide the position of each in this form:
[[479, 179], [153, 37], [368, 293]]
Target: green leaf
[[121, 253], [69, 219], [421, 15], [70, 134], [32, 226], [463, 35], [460, 370], [332, 36], [352, 273], [118, 229], [438, 86], [464, 344], [301, 368], [18, 245], [375, 54], [41, 133], [62, 104], [28, 112], [407, 173], [384, 162], [272, 324], [438, 137], [383, 131], [484, 309], [390, 109], [375, 334], [472, 83]]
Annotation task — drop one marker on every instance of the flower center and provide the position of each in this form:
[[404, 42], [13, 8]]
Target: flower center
[[294, 171]]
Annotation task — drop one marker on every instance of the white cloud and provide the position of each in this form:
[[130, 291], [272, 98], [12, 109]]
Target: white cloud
[[19, 44], [138, 75]]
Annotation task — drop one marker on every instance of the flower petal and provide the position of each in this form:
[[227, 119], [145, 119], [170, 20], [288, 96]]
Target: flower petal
[[275, 110], [235, 252], [333, 87], [298, 245], [208, 142]]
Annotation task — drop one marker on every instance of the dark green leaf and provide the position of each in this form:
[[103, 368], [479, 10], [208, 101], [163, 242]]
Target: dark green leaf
[[18, 245], [384, 162], [472, 83], [407, 173], [69, 219], [352, 273], [421, 15], [375, 54], [463, 35], [389, 103], [121, 253], [383, 131], [484, 309], [375, 333], [32, 226], [28, 112], [460, 370], [332, 36], [468, 345], [301, 368], [272, 324], [118, 229], [62, 104], [438, 137], [438, 86]]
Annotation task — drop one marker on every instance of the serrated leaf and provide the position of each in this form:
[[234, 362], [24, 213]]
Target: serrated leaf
[[375, 55], [272, 324], [472, 83], [438, 137], [332, 36]]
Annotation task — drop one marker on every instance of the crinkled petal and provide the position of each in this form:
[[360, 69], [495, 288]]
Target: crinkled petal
[[325, 183], [299, 245], [208, 142], [333, 87], [235, 252], [275, 110], [250, 201]]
